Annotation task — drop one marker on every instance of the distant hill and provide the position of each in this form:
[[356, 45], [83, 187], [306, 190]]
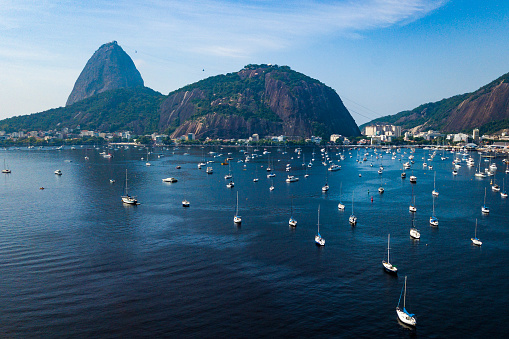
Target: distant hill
[[268, 100], [134, 109], [486, 109], [262, 99], [109, 68]]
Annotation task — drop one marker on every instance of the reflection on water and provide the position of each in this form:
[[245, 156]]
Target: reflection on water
[[75, 260]]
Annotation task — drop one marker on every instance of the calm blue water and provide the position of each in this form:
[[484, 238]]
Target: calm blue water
[[76, 262]]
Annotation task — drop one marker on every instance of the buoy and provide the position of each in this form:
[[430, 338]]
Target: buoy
[[371, 199]]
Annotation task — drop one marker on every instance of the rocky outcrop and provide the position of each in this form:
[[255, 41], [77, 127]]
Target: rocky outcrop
[[487, 109], [109, 68], [262, 99], [482, 107]]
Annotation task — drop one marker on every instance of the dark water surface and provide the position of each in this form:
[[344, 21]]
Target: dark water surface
[[77, 262]]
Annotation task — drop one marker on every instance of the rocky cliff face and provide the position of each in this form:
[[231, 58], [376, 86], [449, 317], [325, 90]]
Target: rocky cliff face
[[109, 68], [262, 99], [482, 107], [486, 109]]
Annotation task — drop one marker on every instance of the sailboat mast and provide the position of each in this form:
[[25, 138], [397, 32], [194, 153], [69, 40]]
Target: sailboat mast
[[388, 242], [318, 219], [352, 203], [237, 210], [126, 182], [404, 296]]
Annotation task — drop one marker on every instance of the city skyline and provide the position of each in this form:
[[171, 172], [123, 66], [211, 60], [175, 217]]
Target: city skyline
[[381, 57]]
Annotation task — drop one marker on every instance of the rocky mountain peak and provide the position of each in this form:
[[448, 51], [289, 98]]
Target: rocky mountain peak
[[109, 68]]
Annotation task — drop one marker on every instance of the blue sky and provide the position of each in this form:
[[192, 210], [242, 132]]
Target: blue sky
[[381, 56]]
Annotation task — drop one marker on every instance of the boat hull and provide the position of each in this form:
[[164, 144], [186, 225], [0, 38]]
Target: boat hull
[[415, 233], [389, 268], [129, 200], [319, 241], [476, 241], [405, 318]]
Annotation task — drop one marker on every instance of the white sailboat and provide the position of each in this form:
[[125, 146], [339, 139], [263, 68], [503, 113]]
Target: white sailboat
[[414, 232], [229, 175], [353, 219], [325, 187], [292, 222], [433, 220], [148, 162], [341, 206], [413, 178], [387, 264], [485, 209], [6, 170], [319, 241], [185, 202], [381, 189], [503, 193], [478, 173], [434, 192], [403, 315], [412, 207], [126, 198], [495, 187], [475, 240], [237, 219]]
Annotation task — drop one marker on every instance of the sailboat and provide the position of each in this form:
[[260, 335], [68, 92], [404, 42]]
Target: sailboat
[[268, 164], [433, 221], [387, 264], [292, 222], [414, 232], [434, 192], [319, 241], [229, 175], [495, 187], [6, 170], [380, 189], [271, 185], [325, 187], [341, 206], [503, 193], [403, 315], [353, 219], [237, 219], [475, 240], [148, 162], [126, 198], [485, 209], [412, 207], [478, 173], [413, 178]]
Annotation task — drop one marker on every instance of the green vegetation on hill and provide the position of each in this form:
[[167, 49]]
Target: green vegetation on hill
[[245, 95], [436, 114], [121, 109]]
